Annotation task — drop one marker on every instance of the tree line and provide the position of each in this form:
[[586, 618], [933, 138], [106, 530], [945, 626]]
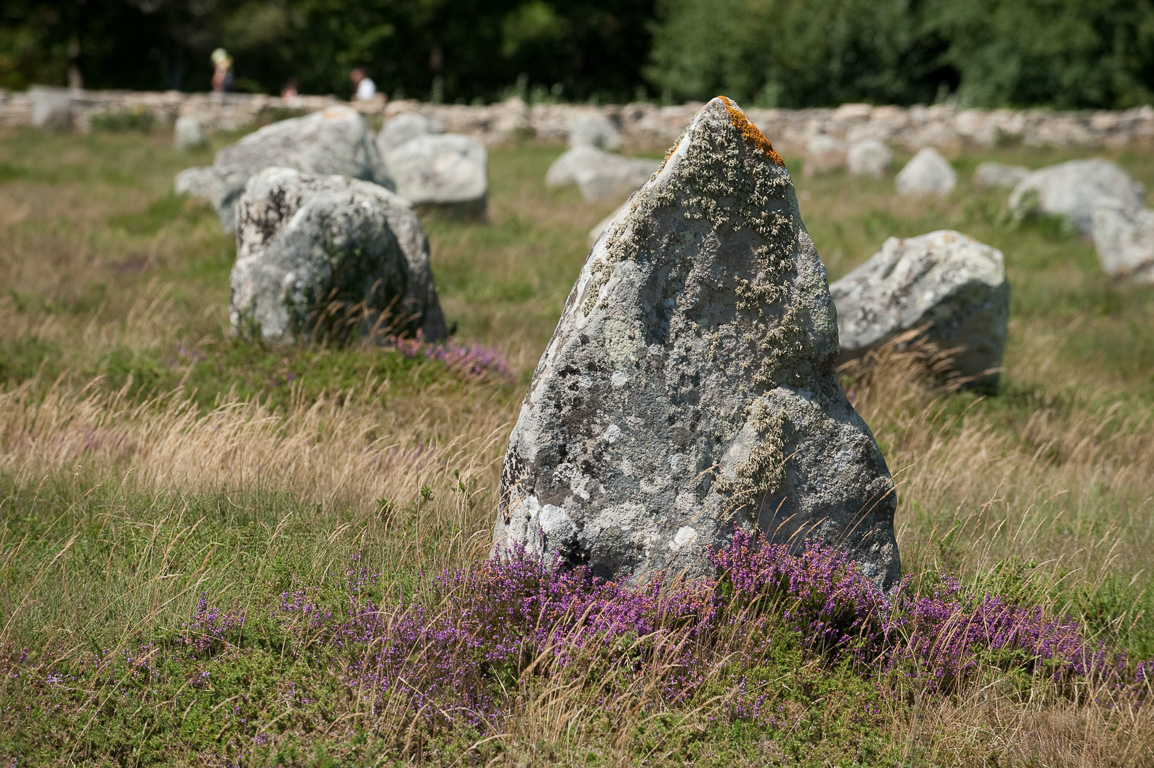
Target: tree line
[[788, 53]]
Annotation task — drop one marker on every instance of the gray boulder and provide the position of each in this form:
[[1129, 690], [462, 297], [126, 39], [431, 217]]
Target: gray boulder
[[601, 176], [869, 157], [563, 171], [988, 175], [823, 154], [51, 108], [689, 389], [187, 134], [593, 129], [444, 171], [201, 182], [927, 173], [1124, 240], [406, 127], [1071, 190], [946, 283], [329, 258], [333, 141]]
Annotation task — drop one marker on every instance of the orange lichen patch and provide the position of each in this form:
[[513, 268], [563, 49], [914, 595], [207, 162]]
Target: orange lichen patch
[[749, 131], [669, 154]]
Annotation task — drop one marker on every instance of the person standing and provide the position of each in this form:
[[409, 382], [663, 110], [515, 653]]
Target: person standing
[[365, 88], [221, 71]]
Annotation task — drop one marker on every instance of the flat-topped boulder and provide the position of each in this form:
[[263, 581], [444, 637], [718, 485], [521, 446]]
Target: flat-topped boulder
[[1071, 190], [334, 141], [329, 258], [946, 284], [926, 174], [1124, 240], [443, 171], [689, 388]]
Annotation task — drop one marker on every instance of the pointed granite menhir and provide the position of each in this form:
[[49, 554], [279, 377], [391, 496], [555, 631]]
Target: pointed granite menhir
[[689, 387]]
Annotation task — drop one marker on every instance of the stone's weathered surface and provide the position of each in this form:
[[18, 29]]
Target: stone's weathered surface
[[445, 171], [406, 127], [689, 388], [869, 157], [946, 283], [594, 129], [988, 175], [328, 258], [1124, 239], [600, 175], [51, 108], [187, 134], [927, 173], [334, 141], [201, 182], [1071, 190], [823, 154]]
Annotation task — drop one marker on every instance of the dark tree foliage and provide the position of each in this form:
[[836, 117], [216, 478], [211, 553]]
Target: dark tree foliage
[[458, 50], [795, 53]]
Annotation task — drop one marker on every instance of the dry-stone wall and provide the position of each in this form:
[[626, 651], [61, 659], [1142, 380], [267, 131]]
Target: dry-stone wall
[[641, 125]]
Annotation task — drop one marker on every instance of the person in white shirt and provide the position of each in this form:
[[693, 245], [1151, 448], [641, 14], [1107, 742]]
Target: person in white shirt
[[366, 89]]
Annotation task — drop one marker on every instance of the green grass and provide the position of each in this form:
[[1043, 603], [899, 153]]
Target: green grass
[[147, 458]]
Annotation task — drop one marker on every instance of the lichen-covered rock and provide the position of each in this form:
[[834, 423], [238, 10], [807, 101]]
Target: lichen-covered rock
[[927, 173], [946, 283], [333, 141], [329, 258], [869, 157], [406, 127], [443, 171], [823, 154], [689, 388], [988, 175], [594, 129], [1124, 239], [187, 134], [1071, 190]]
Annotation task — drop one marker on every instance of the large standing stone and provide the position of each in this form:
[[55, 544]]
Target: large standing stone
[[988, 175], [946, 283], [593, 129], [444, 171], [823, 154], [869, 157], [406, 127], [333, 141], [927, 173], [187, 134], [689, 388], [1124, 239], [1071, 190], [329, 258]]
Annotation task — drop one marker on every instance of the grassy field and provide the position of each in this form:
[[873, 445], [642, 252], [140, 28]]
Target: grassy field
[[214, 553]]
